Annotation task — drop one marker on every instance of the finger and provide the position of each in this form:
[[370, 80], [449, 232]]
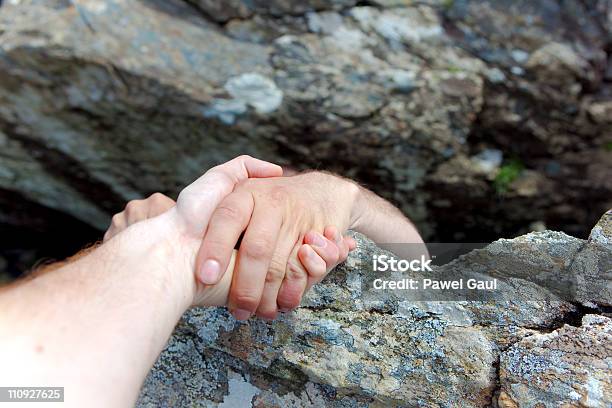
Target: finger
[[118, 224], [268, 306], [340, 244], [243, 167], [294, 284], [228, 174], [254, 256], [348, 244], [334, 235], [108, 235], [312, 260], [135, 211], [352, 244], [197, 201], [226, 224], [344, 251], [325, 249], [158, 204]]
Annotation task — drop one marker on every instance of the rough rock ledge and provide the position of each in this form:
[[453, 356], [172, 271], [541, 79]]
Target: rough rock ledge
[[345, 349]]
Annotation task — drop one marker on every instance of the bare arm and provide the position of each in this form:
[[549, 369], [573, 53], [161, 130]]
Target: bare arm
[[96, 325], [275, 213], [382, 222]]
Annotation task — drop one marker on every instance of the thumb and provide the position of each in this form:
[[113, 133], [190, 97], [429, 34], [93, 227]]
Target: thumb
[[198, 200]]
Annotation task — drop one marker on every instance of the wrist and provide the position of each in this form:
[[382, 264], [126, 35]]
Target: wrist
[[174, 251], [347, 194], [358, 206], [165, 257]]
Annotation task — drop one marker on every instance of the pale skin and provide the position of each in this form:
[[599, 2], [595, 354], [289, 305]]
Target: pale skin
[[318, 254], [96, 325], [275, 214], [279, 217]]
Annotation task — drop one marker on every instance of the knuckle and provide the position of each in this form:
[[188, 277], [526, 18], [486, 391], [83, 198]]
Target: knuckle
[[289, 300], [228, 212], [319, 270], [342, 257], [278, 194], [157, 198], [116, 219], [243, 157], [277, 266], [258, 249], [275, 275], [132, 205], [246, 301], [225, 176], [334, 254], [295, 270]]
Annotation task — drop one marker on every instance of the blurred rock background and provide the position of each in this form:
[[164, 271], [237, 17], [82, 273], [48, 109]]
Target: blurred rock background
[[480, 119]]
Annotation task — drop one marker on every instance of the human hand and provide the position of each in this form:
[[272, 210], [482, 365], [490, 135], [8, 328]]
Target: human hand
[[277, 214], [316, 260], [183, 225], [138, 210]]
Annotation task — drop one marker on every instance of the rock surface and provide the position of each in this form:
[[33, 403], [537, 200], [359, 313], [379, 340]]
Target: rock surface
[[496, 110], [568, 367], [347, 348]]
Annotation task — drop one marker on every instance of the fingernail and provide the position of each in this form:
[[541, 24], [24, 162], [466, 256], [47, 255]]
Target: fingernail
[[318, 240], [241, 314], [209, 273], [284, 310]]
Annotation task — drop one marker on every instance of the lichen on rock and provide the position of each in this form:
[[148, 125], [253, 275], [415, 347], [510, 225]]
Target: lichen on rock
[[346, 348], [567, 367]]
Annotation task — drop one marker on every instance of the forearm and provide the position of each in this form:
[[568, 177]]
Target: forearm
[[96, 325], [48, 267], [382, 222]]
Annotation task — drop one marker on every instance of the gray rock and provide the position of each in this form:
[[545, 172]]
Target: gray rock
[[102, 102], [348, 347], [592, 266], [567, 367], [224, 10]]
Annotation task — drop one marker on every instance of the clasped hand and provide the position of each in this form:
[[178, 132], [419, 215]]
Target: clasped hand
[[290, 227]]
